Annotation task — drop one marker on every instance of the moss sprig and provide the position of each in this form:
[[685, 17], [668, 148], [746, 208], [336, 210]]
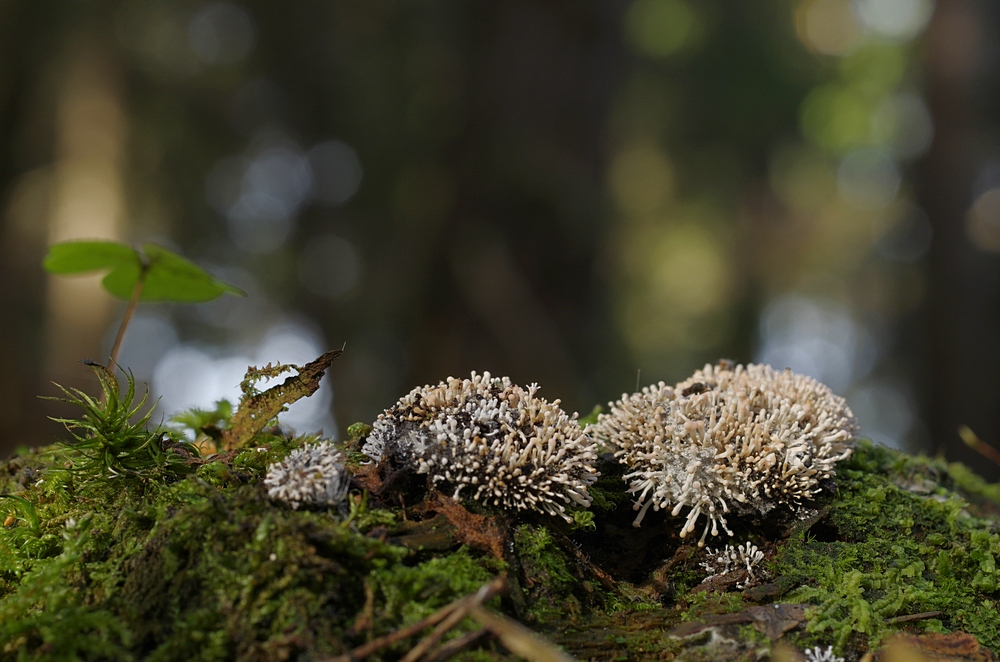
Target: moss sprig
[[112, 438]]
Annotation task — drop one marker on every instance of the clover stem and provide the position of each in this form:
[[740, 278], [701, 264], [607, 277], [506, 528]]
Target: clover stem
[[129, 313]]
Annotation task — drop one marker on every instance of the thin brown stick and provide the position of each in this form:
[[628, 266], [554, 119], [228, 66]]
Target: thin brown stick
[[457, 615], [912, 617], [518, 639], [972, 439], [456, 646], [487, 591], [129, 312], [454, 618], [366, 620], [385, 641]]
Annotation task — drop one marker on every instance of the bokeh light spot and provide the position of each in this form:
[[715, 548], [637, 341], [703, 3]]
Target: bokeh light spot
[[259, 223], [641, 179], [802, 177], [903, 236], [815, 338], [827, 26], [885, 412], [336, 170], [660, 28], [903, 122], [689, 270], [261, 195], [982, 224], [869, 177], [897, 19], [330, 266], [150, 336], [221, 33], [836, 118]]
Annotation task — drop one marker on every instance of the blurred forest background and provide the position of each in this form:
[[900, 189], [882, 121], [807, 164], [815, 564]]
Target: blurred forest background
[[567, 191]]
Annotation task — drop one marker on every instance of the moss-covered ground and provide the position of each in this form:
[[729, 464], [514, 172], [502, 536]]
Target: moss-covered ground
[[189, 560]]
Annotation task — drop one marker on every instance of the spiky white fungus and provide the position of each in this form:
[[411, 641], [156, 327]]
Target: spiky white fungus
[[731, 558], [729, 438], [817, 654], [311, 475], [490, 441]]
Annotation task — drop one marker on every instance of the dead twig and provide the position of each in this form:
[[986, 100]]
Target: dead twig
[[486, 592], [912, 617], [518, 639], [456, 616], [456, 646], [972, 439], [366, 620]]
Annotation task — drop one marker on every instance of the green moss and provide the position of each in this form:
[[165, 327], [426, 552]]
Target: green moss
[[111, 438], [47, 612], [704, 604], [199, 564], [548, 579], [971, 483], [364, 519], [407, 594], [895, 552], [583, 520]]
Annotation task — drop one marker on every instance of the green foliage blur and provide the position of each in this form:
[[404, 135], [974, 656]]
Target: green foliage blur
[[568, 193]]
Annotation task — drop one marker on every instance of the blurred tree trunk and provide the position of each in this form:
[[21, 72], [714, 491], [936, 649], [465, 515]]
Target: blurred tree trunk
[[27, 35], [964, 309]]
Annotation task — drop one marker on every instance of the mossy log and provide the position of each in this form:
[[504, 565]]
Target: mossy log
[[203, 566]]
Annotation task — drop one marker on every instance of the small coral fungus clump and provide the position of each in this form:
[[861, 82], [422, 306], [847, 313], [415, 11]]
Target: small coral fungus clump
[[491, 441], [730, 438], [731, 558], [313, 475]]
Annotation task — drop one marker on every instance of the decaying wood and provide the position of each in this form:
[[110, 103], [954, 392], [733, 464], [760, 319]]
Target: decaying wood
[[772, 620], [487, 534], [606, 580], [257, 409], [951, 647], [433, 534]]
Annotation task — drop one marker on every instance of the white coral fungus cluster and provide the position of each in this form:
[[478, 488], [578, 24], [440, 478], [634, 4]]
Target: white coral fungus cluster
[[817, 654], [312, 475], [731, 558], [491, 441], [729, 438]]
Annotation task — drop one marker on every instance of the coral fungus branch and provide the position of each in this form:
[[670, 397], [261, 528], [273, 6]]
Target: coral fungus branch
[[729, 438]]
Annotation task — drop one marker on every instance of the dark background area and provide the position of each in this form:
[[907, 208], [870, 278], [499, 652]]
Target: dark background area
[[580, 194]]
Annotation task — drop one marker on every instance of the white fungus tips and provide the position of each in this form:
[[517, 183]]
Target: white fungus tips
[[491, 441], [817, 654], [732, 558], [312, 475], [730, 439]]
